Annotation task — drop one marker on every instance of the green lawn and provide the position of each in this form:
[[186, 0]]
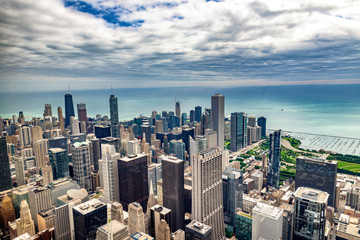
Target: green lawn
[[353, 167]]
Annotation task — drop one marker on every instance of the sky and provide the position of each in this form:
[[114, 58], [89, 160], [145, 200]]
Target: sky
[[92, 44]]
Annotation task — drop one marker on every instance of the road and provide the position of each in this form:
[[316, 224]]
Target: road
[[286, 144], [245, 150]]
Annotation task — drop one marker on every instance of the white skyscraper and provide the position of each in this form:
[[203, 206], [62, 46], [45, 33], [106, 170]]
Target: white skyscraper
[[267, 222], [40, 152], [133, 147], [81, 164], [74, 124], [110, 173], [25, 136], [19, 171], [218, 118], [207, 192]]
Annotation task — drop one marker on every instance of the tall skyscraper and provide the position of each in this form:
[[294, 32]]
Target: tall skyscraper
[[251, 121], [218, 118], [114, 116], [62, 222], [7, 212], [69, 109], [82, 116], [183, 119], [5, 174], [59, 162], [177, 147], [207, 192], [25, 224], [81, 164], [133, 180], [232, 194], [25, 136], [273, 174], [317, 173], [267, 222], [136, 218], [88, 217], [39, 199], [192, 116], [109, 174], [177, 109], [310, 216], [47, 111], [60, 119], [262, 124], [198, 112], [238, 131], [173, 190], [40, 151], [74, 125], [19, 171]]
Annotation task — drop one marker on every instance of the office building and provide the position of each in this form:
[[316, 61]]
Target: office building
[[47, 175], [141, 236], [62, 222], [232, 180], [251, 121], [207, 184], [60, 119], [40, 152], [25, 136], [69, 109], [47, 111], [59, 162], [39, 199], [243, 225], [112, 141], [192, 116], [198, 112], [102, 131], [267, 222], [211, 137], [116, 229], [5, 174], [218, 118], [133, 147], [317, 173], [262, 124], [136, 218], [158, 213], [177, 147], [117, 212], [95, 153], [7, 212], [133, 180], [309, 214], [114, 116], [159, 126], [258, 178], [45, 219], [273, 170], [173, 190], [198, 231], [109, 174], [58, 142], [25, 224], [74, 126], [81, 164], [177, 109], [238, 131], [36, 133], [88, 217], [163, 231], [19, 170], [183, 119], [82, 116]]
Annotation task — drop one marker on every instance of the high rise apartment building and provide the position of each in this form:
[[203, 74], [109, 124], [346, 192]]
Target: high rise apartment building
[[273, 170], [238, 131], [81, 164]]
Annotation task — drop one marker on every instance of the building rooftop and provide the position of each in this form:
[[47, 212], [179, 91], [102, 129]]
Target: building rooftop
[[347, 226], [132, 157], [80, 144], [141, 236], [318, 160], [172, 159], [56, 150], [199, 227], [311, 194], [89, 206], [160, 209], [114, 225], [268, 210]]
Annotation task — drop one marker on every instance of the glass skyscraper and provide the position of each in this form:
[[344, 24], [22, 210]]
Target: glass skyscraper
[[273, 171], [262, 124], [59, 162], [5, 175], [114, 116], [238, 131], [217, 117], [69, 109]]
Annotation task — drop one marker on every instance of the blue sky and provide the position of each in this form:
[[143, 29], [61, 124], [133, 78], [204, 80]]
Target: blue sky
[[47, 44]]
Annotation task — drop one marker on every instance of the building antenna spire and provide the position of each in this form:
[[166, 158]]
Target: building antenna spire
[[111, 92]]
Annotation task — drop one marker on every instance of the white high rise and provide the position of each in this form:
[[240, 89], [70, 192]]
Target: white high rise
[[207, 192], [267, 222], [40, 151], [19, 171], [218, 118], [74, 124], [133, 147], [81, 164], [25, 136], [110, 173]]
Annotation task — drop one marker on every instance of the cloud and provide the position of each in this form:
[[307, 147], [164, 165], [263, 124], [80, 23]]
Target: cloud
[[164, 43]]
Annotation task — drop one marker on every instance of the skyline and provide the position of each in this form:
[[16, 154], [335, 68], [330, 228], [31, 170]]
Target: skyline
[[130, 44]]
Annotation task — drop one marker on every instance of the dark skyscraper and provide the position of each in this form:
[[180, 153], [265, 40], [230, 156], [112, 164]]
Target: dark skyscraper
[[59, 162], [173, 190], [5, 175], [273, 174], [95, 153], [102, 131], [69, 109], [192, 115], [198, 111], [133, 180], [218, 118], [177, 109], [114, 116], [238, 131], [81, 107], [262, 124], [317, 173]]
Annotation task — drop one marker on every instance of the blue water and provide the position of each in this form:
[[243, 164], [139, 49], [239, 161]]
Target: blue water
[[329, 109]]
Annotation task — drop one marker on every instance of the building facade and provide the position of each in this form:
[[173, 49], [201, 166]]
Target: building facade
[[273, 170], [218, 118]]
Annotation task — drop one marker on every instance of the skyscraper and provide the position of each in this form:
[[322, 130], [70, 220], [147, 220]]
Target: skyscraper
[[192, 116], [60, 119], [5, 174], [183, 119], [133, 180], [25, 136], [251, 121], [232, 193], [163, 231], [136, 218], [19, 171], [158, 213], [267, 222], [310, 217], [39, 199], [109, 174], [177, 147], [69, 109], [81, 107], [262, 124], [74, 125], [218, 118], [173, 190], [40, 151], [59, 162], [317, 173], [273, 174], [25, 224], [198, 111], [207, 194], [177, 109], [47, 111], [238, 131], [114, 116], [7, 212], [81, 164]]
